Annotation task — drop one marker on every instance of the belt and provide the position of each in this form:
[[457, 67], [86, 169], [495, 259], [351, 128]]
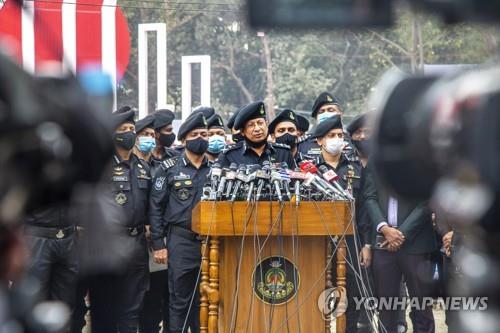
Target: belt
[[184, 233], [49, 232]]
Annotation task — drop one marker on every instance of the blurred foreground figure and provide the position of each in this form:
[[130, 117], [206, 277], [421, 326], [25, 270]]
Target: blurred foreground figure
[[51, 127]]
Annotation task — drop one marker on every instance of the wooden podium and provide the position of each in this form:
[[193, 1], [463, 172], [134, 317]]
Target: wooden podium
[[263, 253]]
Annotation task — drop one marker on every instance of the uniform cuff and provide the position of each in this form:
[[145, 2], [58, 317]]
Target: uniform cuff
[[158, 244], [380, 225]]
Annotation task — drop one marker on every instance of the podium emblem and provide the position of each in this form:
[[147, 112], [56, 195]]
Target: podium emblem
[[276, 280]]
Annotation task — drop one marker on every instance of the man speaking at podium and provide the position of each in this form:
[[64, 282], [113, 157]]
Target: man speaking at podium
[[255, 149]]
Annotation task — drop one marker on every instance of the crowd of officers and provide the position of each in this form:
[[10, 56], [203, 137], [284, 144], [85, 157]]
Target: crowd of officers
[[157, 178]]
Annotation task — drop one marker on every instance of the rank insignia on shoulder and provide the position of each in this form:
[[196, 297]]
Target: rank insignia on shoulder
[[168, 163]]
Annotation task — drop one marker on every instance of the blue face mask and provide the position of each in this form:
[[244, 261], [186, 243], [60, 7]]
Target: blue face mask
[[325, 115], [216, 144], [146, 144]]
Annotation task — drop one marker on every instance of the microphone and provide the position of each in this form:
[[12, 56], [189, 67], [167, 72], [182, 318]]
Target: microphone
[[313, 179], [297, 177], [231, 176], [331, 177], [285, 178], [263, 177], [310, 167], [251, 179], [222, 183], [240, 178], [275, 180]]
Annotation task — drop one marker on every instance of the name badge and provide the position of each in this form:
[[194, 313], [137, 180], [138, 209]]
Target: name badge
[[120, 178]]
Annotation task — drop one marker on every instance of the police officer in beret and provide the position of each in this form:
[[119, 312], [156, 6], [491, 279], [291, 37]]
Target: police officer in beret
[[116, 298], [302, 126], [165, 137], [145, 142], [236, 136], [330, 137], [155, 307], [216, 137], [255, 149], [284, 130], [360, 133], [177, 188], [325, 106]]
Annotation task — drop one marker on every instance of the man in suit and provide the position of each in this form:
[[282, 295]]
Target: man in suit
[[408, 240]]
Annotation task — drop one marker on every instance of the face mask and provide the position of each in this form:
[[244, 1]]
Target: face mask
[[215, 144], [238, 137], [146, 144], [256, 144], [125, 140], [334, 146], [166, 140], [287, 139], [363, 147], [197, 146], [325, 115]]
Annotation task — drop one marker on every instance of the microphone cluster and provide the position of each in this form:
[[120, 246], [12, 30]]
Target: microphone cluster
[[273, 182]]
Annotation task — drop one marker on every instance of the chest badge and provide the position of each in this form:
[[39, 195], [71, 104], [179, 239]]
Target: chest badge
[[60, 234], [183, 194], [121, 198]]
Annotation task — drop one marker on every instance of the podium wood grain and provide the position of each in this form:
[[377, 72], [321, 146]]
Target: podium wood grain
[[271, 230]]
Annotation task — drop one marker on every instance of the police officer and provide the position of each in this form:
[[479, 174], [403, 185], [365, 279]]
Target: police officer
[[165, 137], [302, 126], [329, 135], [360, 134], [255, 149], [216, 137], [177, 188], [284, 130], [116, 297], [155, 307], [325, 106], [145, 142], [50, 236]]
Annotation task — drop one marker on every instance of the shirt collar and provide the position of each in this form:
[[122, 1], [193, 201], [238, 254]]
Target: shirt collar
[[187, 162]]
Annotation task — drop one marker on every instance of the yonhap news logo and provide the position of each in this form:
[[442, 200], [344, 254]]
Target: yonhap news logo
[[421, 303], [332, 302]]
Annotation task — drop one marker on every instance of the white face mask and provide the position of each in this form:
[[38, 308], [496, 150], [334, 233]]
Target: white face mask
[[334, 146]]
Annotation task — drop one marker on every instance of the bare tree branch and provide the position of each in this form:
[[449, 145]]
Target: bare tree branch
[[231, 71], [390, 42]]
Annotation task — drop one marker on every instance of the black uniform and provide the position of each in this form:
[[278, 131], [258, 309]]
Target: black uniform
[[177, 188], [116, 298], [51, 238], [349, 171], [243, 154]]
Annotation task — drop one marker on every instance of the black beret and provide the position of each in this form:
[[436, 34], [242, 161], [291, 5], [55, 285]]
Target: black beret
[[282, 116], [195, 120], [327, 125], [215, 121], [248, 112], [356, 123], [163, 117], [146, 122], [206, 110], [302, 123], [125, 114], [230, 122], [323, 99]]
